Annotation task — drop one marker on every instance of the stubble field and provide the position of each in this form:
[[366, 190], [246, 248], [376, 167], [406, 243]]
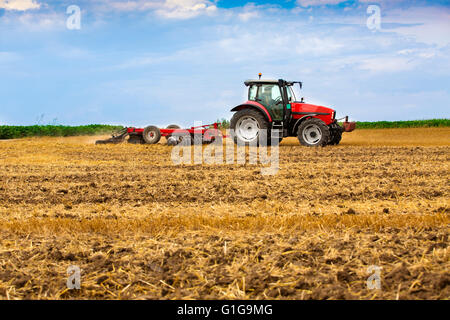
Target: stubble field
[[140, 227]]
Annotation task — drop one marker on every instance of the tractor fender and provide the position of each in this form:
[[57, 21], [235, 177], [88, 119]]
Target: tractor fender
[[299, 121], [254, 105]]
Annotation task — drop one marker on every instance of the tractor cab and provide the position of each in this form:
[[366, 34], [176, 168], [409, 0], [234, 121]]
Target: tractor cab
[[274, 95], [272, 105], [267, 93]]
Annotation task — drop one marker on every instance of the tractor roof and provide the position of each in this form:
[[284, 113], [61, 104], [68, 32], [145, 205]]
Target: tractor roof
[[267, 81], [270, 81]]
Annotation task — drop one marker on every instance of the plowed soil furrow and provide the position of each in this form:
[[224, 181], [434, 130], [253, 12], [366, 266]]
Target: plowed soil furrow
[[141, 227]]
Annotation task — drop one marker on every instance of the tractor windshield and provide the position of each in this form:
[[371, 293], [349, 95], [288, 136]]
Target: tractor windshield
[[269, 95], [266, 93]]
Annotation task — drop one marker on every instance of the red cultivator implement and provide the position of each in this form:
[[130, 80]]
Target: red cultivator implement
[[173, 133]]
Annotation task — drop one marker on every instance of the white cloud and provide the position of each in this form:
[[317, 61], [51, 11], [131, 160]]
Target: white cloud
[[35, 21], [425, 25], [250, 12], [246, 16], [184, 9], [422, 24], [384, 3], [232, 45], [420, 53], [140, 5], [310, 3], [387, 64], [315, 45], [172, 9], [19, 5]]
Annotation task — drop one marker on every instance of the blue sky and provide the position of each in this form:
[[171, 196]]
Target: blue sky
[[159, 62]]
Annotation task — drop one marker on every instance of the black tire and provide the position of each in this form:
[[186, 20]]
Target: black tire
[[335, 134], [313, 132], [263, 123], [336, 138], [151, 135]]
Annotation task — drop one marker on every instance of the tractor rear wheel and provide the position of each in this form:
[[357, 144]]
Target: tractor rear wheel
[[313, 132], [246, 126], [151, 135]]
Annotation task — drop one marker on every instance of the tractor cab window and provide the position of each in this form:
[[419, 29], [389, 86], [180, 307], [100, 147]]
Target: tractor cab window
[[252, 93], [266, 93], [270, 95], [290, 94]]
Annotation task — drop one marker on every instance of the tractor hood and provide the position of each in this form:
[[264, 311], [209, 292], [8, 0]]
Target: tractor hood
[[310, 108], [302, 110]]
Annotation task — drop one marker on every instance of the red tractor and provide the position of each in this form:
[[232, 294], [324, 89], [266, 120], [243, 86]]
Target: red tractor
[[272, 105]]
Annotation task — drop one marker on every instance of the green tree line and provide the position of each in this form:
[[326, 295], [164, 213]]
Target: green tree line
[[404, 124], [12, 132]]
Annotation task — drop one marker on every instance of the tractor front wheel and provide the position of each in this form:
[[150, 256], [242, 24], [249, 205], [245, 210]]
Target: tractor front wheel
[[336, 138], [335, 134], [151, 135], [246, 126], [313, 132]]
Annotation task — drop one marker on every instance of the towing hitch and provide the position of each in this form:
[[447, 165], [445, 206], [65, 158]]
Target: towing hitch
[[348, 126]]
